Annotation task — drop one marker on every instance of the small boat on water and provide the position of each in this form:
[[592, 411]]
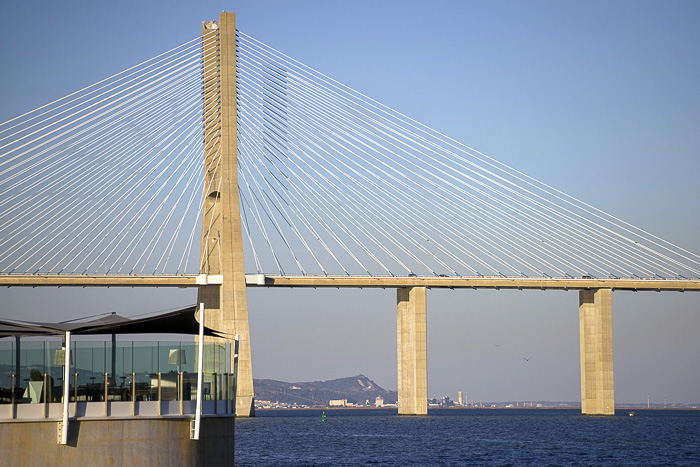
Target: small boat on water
[[631, 414]]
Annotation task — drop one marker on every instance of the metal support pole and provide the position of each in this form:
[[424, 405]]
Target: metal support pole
[[12, 397], [194, 433], [226, 396], [235, 370], [106, 393], [133, 394], [44, 393], [66, 392], [17, 358], [160, 392], [216, 392], [114, 357], [180, 391]]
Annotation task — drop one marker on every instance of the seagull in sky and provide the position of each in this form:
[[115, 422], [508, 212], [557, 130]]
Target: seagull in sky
[[527, 359]]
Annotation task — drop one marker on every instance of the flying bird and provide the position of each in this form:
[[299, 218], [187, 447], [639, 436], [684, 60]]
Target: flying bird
[[527, 359]]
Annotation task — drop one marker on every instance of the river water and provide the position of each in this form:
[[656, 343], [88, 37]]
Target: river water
[[468, 437]]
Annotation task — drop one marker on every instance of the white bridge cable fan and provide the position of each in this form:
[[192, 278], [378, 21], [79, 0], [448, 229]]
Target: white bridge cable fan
[[332, 182], [108, 180]]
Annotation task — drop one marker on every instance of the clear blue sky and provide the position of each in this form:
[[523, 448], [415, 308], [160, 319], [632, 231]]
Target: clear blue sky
[[599, 99]]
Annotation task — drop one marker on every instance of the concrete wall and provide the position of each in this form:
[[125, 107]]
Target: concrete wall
[[126, 442]]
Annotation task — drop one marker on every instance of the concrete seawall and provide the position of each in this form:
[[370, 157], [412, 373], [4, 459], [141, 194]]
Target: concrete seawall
[[119, 442]]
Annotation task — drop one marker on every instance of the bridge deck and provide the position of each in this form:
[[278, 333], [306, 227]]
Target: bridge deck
[[258, 280]]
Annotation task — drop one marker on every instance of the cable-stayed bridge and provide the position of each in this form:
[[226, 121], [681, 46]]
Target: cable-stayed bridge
[[224, 164]]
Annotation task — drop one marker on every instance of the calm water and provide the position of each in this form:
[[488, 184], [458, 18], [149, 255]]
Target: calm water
[[468, 437]]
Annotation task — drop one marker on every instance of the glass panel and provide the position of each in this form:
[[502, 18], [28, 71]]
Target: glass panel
[[146, 369], [123, 368], [208, 386], [111, 360], [32, 368], [221, 359], [189, 363], [173, 359], [7, 369], [55, 359], [91, 366], [142, 387], [231, 387], [189, 386]]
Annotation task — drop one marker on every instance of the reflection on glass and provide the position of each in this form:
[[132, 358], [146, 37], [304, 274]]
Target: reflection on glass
[[115, 370]]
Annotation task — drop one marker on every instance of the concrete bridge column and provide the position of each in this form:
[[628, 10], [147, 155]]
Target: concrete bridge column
[[226, 305], [597, 383], [412, 351]]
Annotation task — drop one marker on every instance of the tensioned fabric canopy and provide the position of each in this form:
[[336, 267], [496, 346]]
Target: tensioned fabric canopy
[[175, 322]]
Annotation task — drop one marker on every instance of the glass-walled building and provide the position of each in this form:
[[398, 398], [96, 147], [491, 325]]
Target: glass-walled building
[[129, 377]]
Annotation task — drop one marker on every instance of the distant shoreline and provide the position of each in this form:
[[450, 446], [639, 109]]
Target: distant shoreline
[[271, 409]]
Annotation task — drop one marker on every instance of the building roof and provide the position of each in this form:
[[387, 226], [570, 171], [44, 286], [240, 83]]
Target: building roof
[[181, 321]]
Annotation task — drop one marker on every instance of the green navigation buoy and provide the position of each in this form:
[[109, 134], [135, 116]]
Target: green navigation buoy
[[323, 416]]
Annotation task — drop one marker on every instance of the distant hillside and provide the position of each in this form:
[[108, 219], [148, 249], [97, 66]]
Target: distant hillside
[[356, 389]]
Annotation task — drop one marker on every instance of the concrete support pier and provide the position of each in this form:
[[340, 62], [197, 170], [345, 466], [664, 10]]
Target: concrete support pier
[[412, 351], [597, 383]]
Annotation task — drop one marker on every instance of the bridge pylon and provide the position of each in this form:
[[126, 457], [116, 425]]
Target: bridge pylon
[[226, 305]]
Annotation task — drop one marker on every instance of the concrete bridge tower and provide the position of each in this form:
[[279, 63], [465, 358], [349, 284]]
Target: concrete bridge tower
[[226, 305]]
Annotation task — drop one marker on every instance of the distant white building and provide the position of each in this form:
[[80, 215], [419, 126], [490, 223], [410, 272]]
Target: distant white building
[[338, 402], [379, 401]]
